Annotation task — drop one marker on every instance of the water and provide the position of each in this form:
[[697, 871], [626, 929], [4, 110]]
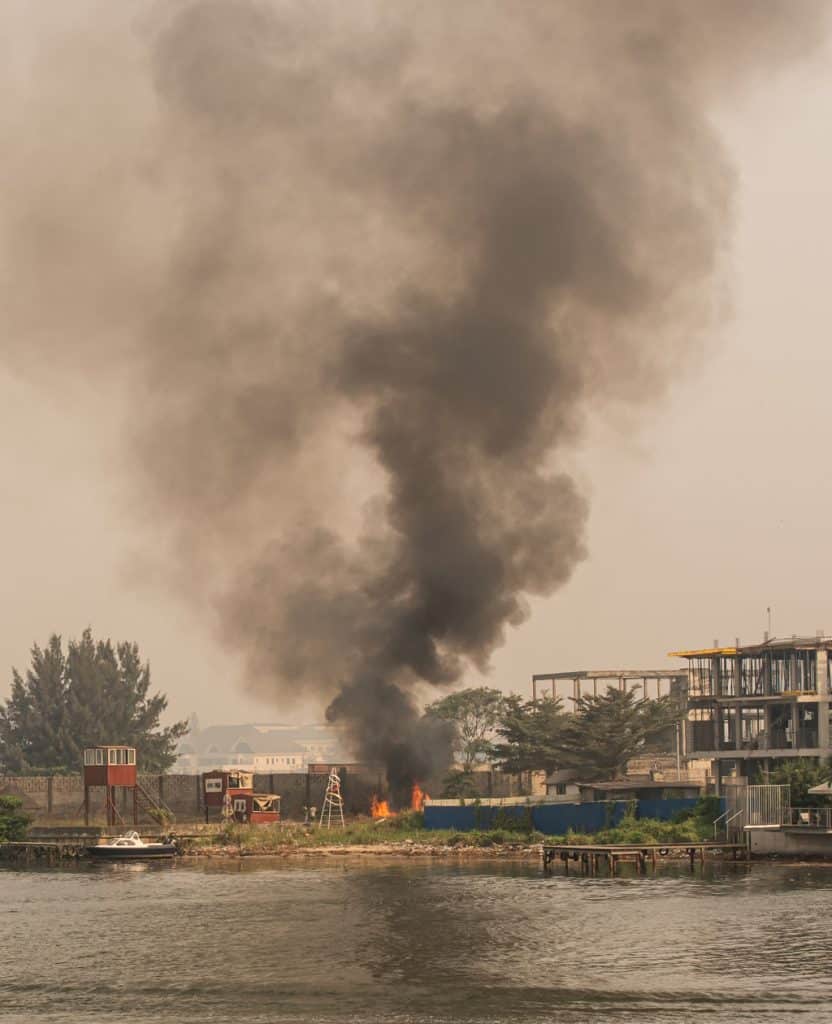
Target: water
[[412, 942]]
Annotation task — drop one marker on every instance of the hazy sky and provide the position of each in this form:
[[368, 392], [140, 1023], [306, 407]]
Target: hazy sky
[[715, 508]]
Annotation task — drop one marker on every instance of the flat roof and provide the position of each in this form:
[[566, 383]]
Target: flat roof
[[636, 783], [614, 673], [773, 644], [110, 746]]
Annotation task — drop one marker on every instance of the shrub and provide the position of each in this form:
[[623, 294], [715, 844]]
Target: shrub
[[507, 822], [13, 821], [411, 819]]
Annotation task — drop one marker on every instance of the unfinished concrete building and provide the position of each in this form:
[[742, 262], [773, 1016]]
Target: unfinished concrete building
[[650, 683], [674, 763], [753, 704]]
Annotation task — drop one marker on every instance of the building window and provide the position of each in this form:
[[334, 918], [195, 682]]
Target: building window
[[213, 785], [753, 676], [239, 805], [560, 788], [727, 677], [701, 678]]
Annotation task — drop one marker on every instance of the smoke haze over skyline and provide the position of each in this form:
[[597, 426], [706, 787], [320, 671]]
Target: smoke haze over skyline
[[361, 280]]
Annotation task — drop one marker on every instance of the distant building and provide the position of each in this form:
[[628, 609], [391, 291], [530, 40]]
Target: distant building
[[570, 686], [561, 785], [649, 683], [564, 786], [267, 748], [749, 705], [635, 788]]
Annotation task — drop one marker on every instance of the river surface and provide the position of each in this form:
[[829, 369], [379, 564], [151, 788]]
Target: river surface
[[410, 941]]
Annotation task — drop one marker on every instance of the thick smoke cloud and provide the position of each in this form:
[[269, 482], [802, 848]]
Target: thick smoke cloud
[[369, 266]]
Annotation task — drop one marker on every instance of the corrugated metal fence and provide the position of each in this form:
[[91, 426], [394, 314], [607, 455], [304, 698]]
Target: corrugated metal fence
[[552, 818]]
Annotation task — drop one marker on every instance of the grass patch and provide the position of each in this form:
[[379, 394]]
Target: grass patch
[[690, 826], [405, 829]]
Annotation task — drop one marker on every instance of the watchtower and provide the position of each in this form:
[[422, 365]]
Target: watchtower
[[113, 767]]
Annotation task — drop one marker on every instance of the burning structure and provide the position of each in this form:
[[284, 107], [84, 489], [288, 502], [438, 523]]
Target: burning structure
[[368, 270]]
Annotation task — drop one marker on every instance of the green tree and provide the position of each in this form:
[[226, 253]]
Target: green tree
[[606, 730], [474, 713], [531, 735], [13, 821], [34, 733], [95, 694], [801, 774]]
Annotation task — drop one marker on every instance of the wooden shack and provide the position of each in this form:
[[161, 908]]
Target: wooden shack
[[229, 793]]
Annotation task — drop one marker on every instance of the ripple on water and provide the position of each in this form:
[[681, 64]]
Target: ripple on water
[[411, 942]]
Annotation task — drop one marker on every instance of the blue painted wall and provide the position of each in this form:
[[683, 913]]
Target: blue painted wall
[[551, 819]]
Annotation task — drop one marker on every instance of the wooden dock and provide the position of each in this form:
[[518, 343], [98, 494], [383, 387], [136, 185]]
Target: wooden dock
[[595, 859]]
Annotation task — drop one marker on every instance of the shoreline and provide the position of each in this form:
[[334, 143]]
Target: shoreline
[[402, 850], [22, 854]]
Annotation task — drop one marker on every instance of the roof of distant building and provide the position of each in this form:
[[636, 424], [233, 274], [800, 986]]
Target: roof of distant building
[[635, 782], [254, 739], [773, 643]]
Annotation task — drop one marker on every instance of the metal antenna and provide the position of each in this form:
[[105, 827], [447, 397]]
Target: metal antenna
[[333, 802]]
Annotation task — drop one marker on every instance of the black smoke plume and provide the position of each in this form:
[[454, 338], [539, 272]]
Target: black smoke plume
[[369, 267]]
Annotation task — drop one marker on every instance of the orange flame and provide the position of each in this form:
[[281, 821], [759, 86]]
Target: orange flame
[[380, 808], [418, 797]]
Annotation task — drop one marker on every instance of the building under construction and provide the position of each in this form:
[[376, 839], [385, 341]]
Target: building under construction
[[749, 705], [650, 683]]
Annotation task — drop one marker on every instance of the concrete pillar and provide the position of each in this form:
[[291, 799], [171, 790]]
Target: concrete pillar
[[822, 683], [795, 725]]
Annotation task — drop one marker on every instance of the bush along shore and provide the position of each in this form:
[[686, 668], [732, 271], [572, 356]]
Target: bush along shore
[[402, 835], [405, 834], [692, 826]]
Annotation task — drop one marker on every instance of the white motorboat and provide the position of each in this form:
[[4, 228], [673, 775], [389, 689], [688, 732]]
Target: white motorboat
[[131, 846]]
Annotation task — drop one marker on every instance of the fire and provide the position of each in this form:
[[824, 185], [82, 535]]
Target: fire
[[380, 808], [418, 797]]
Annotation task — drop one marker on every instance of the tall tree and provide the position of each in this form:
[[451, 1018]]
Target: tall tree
[[800, 774], [606, 730], [531, 735], [34, 731], [95, 694], [474, 713]]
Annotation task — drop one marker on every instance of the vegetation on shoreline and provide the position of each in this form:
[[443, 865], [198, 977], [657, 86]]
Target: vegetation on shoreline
[[694, 826], [407, 830], [13, 820]]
